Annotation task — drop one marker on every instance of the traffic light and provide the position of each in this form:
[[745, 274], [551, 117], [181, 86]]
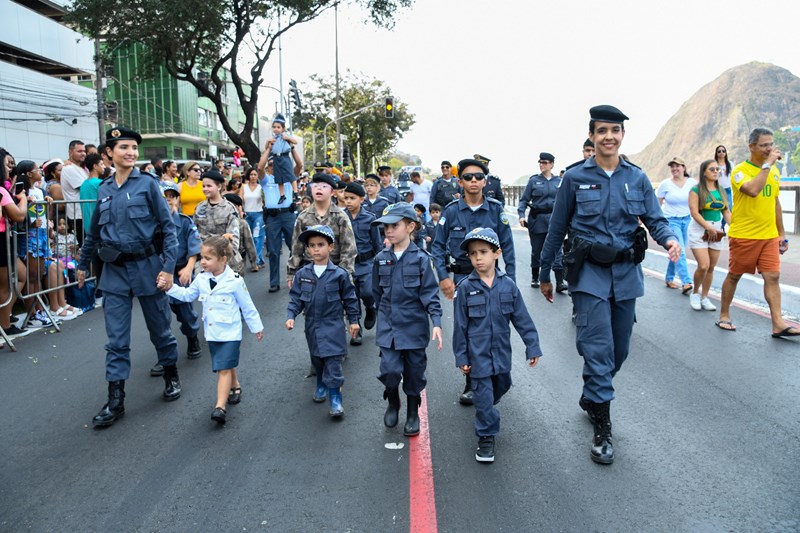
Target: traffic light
[[294, 94], [346, 156], [389, 108]]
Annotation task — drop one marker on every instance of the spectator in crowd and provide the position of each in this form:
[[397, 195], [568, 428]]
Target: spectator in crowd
[[673, 195], [156, 162], [72, 177], [721, 157], [91, 149], [420, 190], [15, 213], [148, 167], [253, 196], [279, 218], [169, 172], [191, 188]]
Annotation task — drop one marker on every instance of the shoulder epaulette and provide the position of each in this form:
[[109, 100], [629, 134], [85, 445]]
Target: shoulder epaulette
[[575, 164], [492, 200], [451, 203]]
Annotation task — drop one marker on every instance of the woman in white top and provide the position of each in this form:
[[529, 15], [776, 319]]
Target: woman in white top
[[673, 195], [253, 198], [724, 182]]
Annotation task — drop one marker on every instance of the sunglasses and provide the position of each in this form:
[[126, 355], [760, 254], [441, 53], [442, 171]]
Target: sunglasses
[[473, 176], [445, 167], [713, 169], [195, 169], [722, 151], [545, 162]]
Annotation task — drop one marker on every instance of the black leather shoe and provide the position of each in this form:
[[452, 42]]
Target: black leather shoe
[[274, 288], [392, 411], [485, 451], [193, 347], [219, 415], [466, 397], [370, 318], [357, 340], [561, 288], [172, 383], [411, 428], [157, 370], [535, 283], [235, 395], [114, 408]]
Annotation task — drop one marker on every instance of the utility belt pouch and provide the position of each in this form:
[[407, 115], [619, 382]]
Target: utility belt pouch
[[574, 258], [108, 254], [602, 254], [639, 244]]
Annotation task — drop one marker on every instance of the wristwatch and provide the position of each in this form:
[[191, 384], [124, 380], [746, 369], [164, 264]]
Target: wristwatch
[[766, 166]]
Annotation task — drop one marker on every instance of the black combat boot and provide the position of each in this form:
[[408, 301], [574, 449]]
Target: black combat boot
[[115, 407], [466, 397], [392, 411], [560, 285], [370, 318], [586, 405], [602, 450], [193, 347], [535, 278], [172, 383], [412, 416]]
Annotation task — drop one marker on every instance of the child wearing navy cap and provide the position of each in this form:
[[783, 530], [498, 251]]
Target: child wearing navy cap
[[406, 294], [280, 145], [485, 302], [324, 292]]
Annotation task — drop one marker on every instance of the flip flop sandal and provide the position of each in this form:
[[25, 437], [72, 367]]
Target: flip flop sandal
[[786, 333], [723, 323], [686, 288], [672, 285]]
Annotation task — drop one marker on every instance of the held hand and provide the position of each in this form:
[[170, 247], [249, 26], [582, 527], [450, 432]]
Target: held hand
[[523, 223], [185, 275], [437, 335], [465, 369], [260, 336], [448, 288], [547, 291], [674, 250], [167, 279], [290, 324], [354, 329], [289, 283], [532, 362], [81, 276]]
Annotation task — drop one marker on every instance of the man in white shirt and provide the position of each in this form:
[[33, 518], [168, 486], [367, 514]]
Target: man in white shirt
[[72, 177], [420, 190]]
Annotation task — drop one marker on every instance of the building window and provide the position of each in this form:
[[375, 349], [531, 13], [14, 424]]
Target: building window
[[193, 154], [177, 152], [155, 151]]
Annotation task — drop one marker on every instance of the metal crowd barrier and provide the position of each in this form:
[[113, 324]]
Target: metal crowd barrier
[[50, 257]]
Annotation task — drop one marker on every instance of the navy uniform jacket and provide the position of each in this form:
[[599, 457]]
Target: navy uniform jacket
[[598, 208], [443, 192], [482, 334], [376, 207], [368, 238], [430, 231], [324, 300], [405, 291], [494, 189], [540, 193], [188, 239], [390, 193], [127, 218], [457, 220]]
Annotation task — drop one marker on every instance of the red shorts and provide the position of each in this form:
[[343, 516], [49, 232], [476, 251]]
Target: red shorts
[[747, 255]]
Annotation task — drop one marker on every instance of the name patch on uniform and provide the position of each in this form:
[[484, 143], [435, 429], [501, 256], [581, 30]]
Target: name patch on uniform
[[104, 200], [589, 187], [458, 228], [307, 280], [473, 293], [442, 221], [385, 262]]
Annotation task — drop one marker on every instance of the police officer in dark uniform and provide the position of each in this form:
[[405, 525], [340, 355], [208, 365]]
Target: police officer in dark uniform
[[540, 195], [130, 227], [493, 188], [600, 203], [445, 188], [588, 151], [388, 190], [471, 211]]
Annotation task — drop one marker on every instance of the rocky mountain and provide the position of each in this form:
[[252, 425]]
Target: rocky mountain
[[724, 112]]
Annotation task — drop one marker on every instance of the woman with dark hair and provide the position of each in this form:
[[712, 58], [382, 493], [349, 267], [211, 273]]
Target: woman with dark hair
[[15, 213], [169, 172], [253, 197], [721, 157], [709, 207], [673, 195]]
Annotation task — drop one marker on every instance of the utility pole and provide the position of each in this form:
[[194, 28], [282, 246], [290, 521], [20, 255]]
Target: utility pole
[[98, 85], [338, 133], [280, 71]]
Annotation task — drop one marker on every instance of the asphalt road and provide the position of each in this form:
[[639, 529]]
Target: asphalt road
[[706, 427]]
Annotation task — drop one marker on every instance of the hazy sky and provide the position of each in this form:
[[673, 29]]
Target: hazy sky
[[510, 79]]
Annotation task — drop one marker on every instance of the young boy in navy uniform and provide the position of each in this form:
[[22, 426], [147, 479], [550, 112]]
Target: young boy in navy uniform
[[406, 293], [324, 292], [486, 301], [186, 253], [368, 244]]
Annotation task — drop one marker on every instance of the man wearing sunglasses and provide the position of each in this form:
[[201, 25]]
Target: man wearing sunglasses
[[473, 210], [540, 195], [445, 189], [600, 203]]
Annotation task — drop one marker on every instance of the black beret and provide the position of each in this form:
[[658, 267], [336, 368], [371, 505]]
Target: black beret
[[213, 174], [123, 134], [330, 179], [468, 162], [373, 177], [355, 188], [588, 143], [447, 163], [383, 167], [607, 113], [544, 156], [234, 199]]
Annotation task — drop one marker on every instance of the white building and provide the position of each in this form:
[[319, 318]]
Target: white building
[[42, 106]]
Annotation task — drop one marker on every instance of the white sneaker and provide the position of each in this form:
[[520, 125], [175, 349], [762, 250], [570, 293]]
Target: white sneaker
[[694, 301], [707, 305]]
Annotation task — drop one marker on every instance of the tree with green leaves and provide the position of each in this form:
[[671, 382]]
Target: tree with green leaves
[[370, 131], [192, 39]]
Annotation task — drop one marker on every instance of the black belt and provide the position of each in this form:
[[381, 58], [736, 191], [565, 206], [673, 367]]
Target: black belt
[[461, 268], [137, 256], [536, 211], [275, 211], [365, 257]]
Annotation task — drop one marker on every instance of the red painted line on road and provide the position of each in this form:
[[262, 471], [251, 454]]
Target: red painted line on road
[[422, 500]]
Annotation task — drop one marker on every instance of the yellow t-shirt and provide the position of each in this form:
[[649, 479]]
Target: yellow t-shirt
[[753, 217]]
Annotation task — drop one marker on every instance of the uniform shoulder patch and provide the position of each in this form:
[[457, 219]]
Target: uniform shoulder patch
[[503, 217]]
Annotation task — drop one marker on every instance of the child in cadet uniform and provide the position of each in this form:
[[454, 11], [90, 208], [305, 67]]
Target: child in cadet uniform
[[406, 293], [186, 257], [485, 302], [419, 235], [368, 244], [247, 245], [435, 211], [225, 300], [324, 292], [374, 203], [280, 146]]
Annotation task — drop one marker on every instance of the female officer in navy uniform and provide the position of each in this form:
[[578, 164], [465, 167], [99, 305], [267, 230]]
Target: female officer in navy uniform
[[130, 227]]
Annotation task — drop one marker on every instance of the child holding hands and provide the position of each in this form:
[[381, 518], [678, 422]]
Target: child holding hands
[[223, 294]]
